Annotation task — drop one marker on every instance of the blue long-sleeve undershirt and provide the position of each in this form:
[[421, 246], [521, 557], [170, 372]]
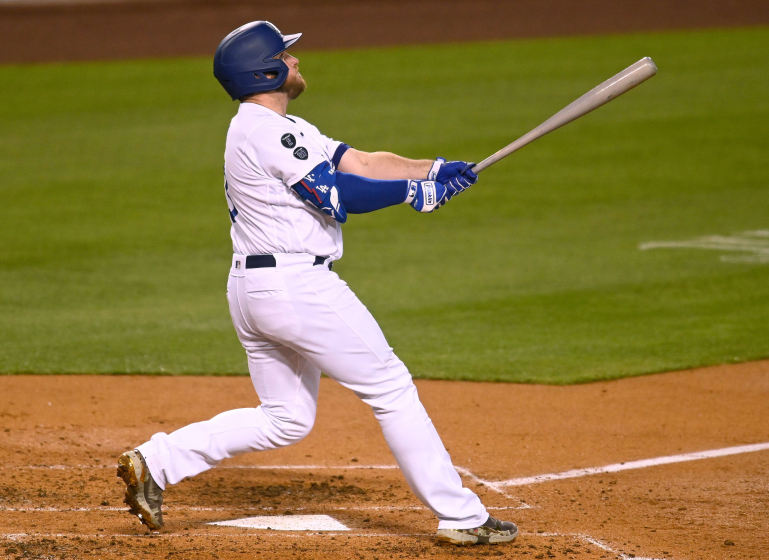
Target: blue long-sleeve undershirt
[[360, 194]]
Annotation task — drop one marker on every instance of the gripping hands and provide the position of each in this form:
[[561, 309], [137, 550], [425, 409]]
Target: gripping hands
[[456, 175], [445, 180]]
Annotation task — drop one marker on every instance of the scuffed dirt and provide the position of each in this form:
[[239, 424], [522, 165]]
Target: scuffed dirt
[[61, 436]]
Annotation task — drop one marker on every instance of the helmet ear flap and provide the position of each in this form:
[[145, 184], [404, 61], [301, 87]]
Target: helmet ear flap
[[273, 75]]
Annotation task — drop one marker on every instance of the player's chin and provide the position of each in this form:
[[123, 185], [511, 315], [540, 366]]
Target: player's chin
[[296, 88]]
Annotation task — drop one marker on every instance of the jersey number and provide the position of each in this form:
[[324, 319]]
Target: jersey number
[[230, 204]]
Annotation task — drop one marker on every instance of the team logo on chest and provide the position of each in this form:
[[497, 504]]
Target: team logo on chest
[[288, 140], [301, 153]]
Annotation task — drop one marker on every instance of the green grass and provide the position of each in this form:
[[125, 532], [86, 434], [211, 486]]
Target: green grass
[[114, 244]]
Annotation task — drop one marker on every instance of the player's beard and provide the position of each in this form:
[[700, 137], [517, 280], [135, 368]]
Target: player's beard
[[293, 86]]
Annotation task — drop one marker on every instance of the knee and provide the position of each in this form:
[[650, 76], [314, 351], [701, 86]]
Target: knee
[[297, 429], [291, 428]]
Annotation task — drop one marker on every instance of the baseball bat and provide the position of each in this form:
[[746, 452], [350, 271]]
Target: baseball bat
[[615, 86]]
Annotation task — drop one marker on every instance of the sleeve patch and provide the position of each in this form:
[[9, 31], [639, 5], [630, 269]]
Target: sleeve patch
[[288, 140]]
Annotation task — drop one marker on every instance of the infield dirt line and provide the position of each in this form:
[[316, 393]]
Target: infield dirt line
[[256, 467], [309, 467], [248, 533], [643, 463], [254, 509], [595, 542], [244, 533], [493, 485], [464, 471]]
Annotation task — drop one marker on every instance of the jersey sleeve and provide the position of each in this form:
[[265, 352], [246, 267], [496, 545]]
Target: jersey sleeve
[[280, 153], [334, 148]]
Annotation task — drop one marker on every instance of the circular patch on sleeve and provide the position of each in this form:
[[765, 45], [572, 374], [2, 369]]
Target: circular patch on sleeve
[[301, 153], [288, 140]]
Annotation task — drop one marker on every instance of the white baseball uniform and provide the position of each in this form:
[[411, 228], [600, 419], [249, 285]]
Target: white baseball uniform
[[296, 318]]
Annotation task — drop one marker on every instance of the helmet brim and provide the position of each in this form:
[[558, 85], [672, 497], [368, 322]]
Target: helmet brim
[[289, 40]]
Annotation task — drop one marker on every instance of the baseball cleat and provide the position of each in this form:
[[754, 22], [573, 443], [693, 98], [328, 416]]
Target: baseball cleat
[[143, 495], [492, 532]]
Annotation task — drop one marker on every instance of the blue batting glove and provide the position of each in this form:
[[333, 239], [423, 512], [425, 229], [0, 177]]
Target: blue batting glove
[[457, 184], [426, 196], [444, 172]]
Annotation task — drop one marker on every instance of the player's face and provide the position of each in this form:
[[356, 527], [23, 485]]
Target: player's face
[[294, 84]]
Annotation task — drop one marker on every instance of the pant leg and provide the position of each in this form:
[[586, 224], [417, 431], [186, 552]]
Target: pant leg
[[287, 385], [315, 313]]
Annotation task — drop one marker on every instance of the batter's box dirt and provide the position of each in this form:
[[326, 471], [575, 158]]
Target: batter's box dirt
[[377, 547], [59, 497]]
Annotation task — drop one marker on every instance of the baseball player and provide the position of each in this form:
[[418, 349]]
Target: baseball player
[[289, 188]]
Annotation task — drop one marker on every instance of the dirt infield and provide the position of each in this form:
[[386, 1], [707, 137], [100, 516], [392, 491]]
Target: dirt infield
[[37, 32], [61, 435]]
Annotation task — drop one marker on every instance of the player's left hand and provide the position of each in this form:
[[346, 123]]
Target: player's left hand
[[426, 196], [457, 173]]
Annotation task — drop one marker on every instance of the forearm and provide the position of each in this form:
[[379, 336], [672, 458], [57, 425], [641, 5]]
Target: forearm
[[384, 165]]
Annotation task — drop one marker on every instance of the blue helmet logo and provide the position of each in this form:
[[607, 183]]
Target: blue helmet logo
[[245, 61]]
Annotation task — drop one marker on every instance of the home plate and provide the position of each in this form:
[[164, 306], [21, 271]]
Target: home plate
[[287, 523]]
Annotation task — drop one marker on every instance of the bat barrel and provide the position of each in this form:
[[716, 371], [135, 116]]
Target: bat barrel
[[615, 86]]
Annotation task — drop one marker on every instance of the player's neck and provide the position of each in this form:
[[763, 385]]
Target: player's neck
[[274, 100]]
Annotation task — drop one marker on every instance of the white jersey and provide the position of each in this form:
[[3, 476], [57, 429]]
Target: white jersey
[[266, 153]]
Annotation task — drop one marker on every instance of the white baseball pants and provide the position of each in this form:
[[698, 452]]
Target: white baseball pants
[[296, 320]]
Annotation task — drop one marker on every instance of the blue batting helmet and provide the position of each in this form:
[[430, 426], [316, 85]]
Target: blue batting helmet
[[245, 56]]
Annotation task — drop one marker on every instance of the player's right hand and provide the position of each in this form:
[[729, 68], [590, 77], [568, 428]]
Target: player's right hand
[[459, 173], [459, 183], [426, 196]]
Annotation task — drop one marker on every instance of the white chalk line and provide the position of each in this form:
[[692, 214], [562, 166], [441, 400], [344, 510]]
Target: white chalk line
[[468, 473], [607, 548], [247, 533], [55, 467], [309, 467], [595, 542], [255, 467], [644, 463], [244, 532], [231, 509], [494, 485]]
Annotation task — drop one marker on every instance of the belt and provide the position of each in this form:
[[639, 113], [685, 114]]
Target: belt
[[268, 261]]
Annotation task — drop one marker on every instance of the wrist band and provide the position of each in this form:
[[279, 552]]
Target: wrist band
[[411, 193], [433, 173]]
